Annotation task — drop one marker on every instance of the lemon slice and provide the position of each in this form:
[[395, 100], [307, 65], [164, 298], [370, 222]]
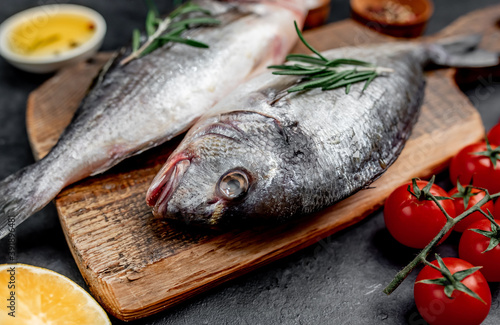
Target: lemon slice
[[38, 296]]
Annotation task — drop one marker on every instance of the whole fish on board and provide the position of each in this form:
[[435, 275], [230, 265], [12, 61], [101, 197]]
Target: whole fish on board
[[154, 98], [263, 153]]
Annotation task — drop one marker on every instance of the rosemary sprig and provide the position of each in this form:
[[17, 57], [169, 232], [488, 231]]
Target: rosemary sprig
[[319, 72], [161, 31]]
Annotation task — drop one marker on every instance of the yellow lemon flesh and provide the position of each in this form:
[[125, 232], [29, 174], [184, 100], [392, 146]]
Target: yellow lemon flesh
[[38, 296]]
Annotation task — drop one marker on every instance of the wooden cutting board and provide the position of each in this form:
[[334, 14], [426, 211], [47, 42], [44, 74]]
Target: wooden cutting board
[[136, 264]]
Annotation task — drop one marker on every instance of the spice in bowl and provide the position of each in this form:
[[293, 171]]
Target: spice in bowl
[[400, 18], [392, 12]]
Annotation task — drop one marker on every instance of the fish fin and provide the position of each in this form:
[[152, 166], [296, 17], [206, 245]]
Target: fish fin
[[462, 52], [24, 193]]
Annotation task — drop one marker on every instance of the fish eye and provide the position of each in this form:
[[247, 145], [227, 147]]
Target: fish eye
[[233, 184]]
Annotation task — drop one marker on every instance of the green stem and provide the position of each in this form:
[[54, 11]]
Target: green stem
[[494, 196], [299, 33], [433, 198], [447, 275], [421, 257], [162, 27], [378, 70], [489, 218]]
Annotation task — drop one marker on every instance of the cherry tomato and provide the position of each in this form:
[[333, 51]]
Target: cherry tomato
[[437, 309], [494, 135], [496, 209], [459, 208], [414, 222], [472, 248], [466, 165]]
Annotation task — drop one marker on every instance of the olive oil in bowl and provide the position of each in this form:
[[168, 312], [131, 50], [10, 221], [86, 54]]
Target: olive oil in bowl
[[47, 38], [51, 36]]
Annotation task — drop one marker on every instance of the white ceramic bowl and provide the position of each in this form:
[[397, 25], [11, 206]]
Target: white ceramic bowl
[[49, 64]]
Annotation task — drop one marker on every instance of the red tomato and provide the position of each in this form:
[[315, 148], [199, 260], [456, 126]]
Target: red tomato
[[466, 165], [437, 309], [496, 209], [471, 248], [459, 208], [494, 135], [415, 223]]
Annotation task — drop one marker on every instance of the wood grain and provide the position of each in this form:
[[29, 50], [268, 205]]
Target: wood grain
[[136, 264]]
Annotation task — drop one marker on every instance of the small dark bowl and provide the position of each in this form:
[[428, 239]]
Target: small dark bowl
[[318, 16], [422, 9]]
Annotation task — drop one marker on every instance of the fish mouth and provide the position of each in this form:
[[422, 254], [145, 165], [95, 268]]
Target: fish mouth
[[165, 183]]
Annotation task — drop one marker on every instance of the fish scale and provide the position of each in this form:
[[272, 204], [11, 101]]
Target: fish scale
[[314, 147]]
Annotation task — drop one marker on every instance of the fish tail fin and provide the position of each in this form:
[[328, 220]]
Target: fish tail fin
[[461, 52], [24, 193]]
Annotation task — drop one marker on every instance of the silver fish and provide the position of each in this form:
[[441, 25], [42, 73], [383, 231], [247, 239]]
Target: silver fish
[[265, 154], [155, 98]]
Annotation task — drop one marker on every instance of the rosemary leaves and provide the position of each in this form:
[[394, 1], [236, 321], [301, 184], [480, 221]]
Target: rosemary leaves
[[319, 72], [161, 31]]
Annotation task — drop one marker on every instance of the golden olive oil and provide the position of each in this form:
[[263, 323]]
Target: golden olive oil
[[51, 35]]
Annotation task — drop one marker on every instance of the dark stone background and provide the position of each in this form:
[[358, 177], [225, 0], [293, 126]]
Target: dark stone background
[[339, 280]]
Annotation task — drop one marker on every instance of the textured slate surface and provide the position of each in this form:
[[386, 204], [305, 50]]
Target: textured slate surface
[[339, 280]]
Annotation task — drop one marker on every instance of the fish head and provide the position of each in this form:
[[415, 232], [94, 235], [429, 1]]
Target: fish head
[[225, 172]]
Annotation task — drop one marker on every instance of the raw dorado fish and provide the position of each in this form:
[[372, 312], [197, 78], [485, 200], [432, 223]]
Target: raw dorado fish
[[152, 99], [265, 154]]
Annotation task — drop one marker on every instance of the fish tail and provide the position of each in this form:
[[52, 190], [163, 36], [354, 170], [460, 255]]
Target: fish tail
[[461, 52], [24, 193]]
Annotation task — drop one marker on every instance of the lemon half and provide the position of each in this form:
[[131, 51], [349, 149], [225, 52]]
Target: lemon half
[[39, 296]]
